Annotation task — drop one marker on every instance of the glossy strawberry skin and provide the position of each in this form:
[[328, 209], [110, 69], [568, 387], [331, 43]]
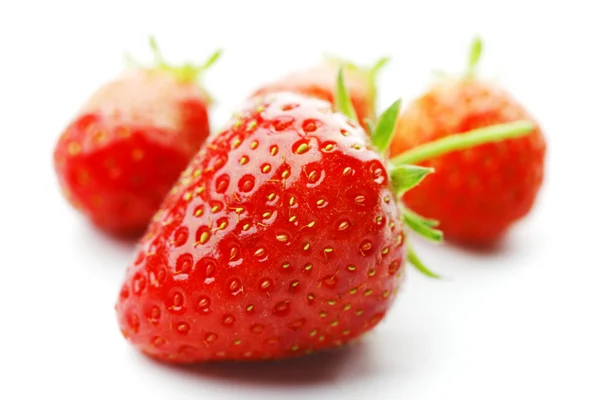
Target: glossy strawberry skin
[[121, 154], [266, 248], [320, 82], [476, 194]]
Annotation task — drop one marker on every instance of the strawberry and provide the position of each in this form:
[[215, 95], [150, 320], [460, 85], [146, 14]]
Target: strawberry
[[475, 194], [282, 237], [320, 81], [126, 147]]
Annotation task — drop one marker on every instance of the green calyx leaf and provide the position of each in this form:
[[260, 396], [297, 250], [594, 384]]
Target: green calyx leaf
[[462, 141], [419, 265], [343, 103], [370, 126], [341, 62], [158, 58], [406, 177], [379, 64], [185, 73], [384, 129], [474, 56], [432, 223], [423, 226], [370, 74]]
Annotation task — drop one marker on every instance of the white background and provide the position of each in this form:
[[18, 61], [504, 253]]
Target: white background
[[519, 323]]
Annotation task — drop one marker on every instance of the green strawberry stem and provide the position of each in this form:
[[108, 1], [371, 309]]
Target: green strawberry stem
[[474, 56], [404, 179], [404, 176], [462, 141], [473, 59], [158, 57]]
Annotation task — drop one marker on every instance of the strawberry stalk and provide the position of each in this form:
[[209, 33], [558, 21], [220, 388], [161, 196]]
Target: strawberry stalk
[[474, 56], [473, 59], [405, 176], [462, 141], [402, 171]]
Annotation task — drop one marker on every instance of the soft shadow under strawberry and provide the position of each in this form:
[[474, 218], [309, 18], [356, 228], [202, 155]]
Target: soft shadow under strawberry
[[408, 349], [317, 368]]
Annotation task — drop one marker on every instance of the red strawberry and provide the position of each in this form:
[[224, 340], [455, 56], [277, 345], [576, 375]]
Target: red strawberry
[[475, 194], [320, 82], [120, 155], [282, 237]]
